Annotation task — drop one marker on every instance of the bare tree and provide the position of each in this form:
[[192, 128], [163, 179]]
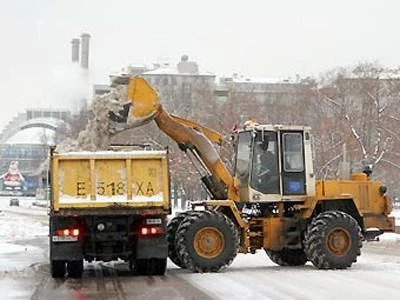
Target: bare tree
[[361, 101]]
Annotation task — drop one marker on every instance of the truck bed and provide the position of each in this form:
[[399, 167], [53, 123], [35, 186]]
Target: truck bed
[[123, 180]]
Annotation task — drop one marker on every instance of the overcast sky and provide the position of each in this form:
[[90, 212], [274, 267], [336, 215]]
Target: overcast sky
[[257, 38]]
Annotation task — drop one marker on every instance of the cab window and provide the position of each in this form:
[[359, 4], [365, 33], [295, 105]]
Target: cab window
[[293, 152]]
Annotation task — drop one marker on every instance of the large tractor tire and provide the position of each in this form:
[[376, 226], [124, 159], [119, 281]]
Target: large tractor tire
[[172, 227], [288, 257], [206, 241], [151, 266], [333, 240]]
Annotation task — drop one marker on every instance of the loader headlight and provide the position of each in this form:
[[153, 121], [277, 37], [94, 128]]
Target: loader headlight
[[100, 227]]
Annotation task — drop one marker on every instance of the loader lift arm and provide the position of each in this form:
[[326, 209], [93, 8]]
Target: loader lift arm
[[189, 135]]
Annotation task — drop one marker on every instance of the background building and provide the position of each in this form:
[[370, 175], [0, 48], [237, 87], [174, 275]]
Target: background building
[[28, 143], [27, 137]]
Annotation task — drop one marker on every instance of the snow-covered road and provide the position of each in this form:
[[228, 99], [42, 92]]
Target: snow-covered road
[[375, 276], [23, 248], [24, 272]]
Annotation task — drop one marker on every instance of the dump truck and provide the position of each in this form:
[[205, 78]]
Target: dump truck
[[271, 200], [109, 205]]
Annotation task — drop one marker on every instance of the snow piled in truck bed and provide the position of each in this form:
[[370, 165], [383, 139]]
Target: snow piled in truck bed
[[65, 199], [114, 154]]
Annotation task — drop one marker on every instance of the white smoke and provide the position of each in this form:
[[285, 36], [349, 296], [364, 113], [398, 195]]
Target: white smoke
[[68, 87], [98, 132]]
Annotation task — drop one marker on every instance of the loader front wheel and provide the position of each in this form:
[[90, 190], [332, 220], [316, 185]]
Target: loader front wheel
[[288, 257], [207, 241], [172, 227], [333, 240]]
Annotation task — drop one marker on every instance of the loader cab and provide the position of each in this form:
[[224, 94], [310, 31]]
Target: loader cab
[[274, 163]]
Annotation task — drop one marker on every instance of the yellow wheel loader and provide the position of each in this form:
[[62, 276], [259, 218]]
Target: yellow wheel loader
[[272, 201]]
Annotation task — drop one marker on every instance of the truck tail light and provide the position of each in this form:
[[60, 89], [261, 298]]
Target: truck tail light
[[151, 230], [67, 232], [66, 235]]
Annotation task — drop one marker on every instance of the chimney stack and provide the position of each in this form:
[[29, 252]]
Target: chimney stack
[[85, 50], [75, 50]]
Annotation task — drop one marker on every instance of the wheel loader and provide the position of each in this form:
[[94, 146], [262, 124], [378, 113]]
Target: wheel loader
[[270, 201]]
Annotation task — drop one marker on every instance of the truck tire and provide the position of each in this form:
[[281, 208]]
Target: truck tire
[[57, 268], [333, 240], [172, 227], [207, 241], [75, 268], [151, 266], [288, 257]]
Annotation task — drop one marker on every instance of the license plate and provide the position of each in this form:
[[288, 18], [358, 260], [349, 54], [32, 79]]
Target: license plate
[[57, 238], [153, 221]]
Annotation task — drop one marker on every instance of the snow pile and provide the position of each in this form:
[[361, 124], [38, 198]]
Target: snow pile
[[396, 213], [389, 238], [97, 134], [23, 236]]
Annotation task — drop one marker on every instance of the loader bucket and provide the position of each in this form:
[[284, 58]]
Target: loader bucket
[[142, 107], [144, 99]]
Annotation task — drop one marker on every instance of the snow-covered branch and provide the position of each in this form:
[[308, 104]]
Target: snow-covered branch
[[328, 163]]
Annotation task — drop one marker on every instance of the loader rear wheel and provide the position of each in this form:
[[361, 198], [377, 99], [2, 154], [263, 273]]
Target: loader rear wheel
[[333, 240], [207, 241], [288, 257], [172, 227]]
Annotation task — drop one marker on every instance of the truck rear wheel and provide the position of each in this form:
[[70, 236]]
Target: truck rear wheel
[[75, 268], [172, 227], [151, 266], [288, 257], [207, 241], [333, 240], [57, 268]]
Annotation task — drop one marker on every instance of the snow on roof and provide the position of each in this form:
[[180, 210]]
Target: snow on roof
[[35, 122], [33, 135], [243, 79], [168, 70], [380, 76]]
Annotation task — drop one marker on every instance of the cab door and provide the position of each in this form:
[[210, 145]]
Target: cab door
[[292, 162]]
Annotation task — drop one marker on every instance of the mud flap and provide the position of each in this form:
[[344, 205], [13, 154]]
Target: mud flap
[[69, 251], [155, 247]]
